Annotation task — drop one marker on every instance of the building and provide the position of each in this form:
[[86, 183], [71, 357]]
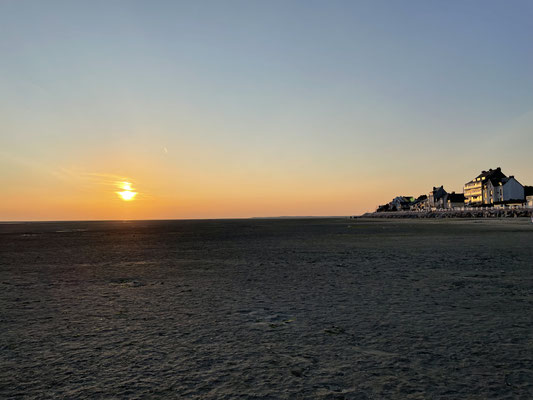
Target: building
[[383, 208], [454, 200], [491, 188], [401, 203], [420, 204], [436, 198], [475, 191], [504, 190]]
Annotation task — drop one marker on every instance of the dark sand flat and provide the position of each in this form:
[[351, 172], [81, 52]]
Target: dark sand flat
[[267, 309]]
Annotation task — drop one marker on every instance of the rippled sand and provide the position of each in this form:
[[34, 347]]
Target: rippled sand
[[267, 309]]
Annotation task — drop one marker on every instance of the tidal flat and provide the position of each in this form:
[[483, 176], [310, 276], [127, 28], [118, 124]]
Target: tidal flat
[[267, 309]]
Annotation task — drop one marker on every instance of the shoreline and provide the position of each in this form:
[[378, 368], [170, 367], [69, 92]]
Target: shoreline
[[491, 213]]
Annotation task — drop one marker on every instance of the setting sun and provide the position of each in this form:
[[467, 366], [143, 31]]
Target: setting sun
[[127, 194]]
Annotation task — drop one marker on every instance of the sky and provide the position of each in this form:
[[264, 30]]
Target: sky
[[228, 109]]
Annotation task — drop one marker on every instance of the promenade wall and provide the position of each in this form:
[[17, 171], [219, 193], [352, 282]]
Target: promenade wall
[[471, 213]]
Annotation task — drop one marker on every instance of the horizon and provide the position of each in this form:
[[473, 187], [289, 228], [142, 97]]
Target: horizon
[[175, 219], [185, 111]]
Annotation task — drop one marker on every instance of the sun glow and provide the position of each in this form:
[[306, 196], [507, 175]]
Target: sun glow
[[127, 193]]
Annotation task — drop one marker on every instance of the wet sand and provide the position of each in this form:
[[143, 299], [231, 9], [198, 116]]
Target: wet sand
[[267, 309]]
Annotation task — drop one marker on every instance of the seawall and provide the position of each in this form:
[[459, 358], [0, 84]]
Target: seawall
[[486, 213]]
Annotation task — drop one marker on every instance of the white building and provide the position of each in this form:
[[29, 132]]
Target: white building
[[503, 190], [529, 201], [476, 190]]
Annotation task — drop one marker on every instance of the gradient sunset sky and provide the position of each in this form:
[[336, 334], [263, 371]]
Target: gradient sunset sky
[[212, 109]]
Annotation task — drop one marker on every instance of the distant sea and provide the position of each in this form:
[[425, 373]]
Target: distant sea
[[267, 309]]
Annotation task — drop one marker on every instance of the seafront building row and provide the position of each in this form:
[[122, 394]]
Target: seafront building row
[[491, 189]]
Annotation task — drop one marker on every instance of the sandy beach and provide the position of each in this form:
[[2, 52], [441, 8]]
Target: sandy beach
[[267, 309]]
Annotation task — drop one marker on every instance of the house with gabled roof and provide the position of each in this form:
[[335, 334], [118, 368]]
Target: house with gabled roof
[[420, 203], [436, 198], [401, 202], [504, 190]]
